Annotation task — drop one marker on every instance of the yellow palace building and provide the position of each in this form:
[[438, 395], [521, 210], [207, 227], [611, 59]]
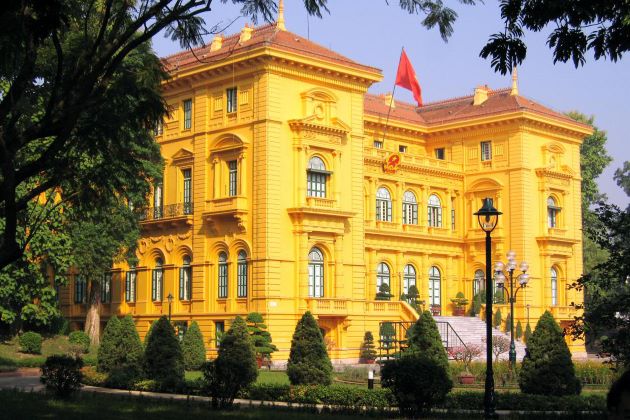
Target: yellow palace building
[[286, 188]]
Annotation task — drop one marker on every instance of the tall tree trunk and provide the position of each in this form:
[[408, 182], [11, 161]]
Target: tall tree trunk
[[93, 316]]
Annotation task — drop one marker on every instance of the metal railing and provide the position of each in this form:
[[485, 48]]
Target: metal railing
[[166, 212], [450, 338]]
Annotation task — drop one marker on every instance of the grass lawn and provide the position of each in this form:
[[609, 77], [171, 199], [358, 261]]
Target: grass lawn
[[11, 357], [264, 376]]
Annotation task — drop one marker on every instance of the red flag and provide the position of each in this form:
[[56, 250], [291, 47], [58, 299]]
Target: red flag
[[406, 78]]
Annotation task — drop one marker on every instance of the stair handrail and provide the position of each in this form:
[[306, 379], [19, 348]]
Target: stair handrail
[[457, 339]]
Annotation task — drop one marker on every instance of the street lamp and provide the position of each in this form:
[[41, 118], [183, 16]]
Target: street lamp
[[170, 302], [488, 217], [523, 279]]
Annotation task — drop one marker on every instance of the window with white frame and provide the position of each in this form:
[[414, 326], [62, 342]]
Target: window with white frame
[[382, 275], [241, 275], [378, 144], [315, 273], [233, 178], [409, 278], [231, 99], [435, 278], [80, 289], [158, 201], [486, 150], [552, 212], [410, 208], [157, 280], [187, 114], [478, 282], [383, 205], [185, 279], [316, 177], [106, 288], [187, 175], [434, 211], [130, 284], [452, 214], [554, 286], [223, 275]]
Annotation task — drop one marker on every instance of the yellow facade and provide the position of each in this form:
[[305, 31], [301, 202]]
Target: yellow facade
[[249, 195]]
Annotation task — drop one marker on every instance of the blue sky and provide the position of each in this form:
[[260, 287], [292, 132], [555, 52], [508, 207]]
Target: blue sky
[[373, 33]]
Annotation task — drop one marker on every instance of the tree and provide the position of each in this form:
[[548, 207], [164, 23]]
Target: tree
[[598, 26], [368, 354], [622, 177], [496, 320], [528, 333], [130, 347], [120, 349], [547, 366], [261, 338], [235, 367], [193, 349], [163, 359], [107, 352], [508, 321], [500, 345], [519, 330], [424, 339], [308, 363]]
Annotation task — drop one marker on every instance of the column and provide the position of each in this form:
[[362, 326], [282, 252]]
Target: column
[[422, 206], [339, 271], [216, 173], [243, 175], [397, 203], [448, 207], [335, 181], [301, 175], [303, 269]]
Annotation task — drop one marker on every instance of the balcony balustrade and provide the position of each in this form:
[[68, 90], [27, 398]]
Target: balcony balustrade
[[169, 213]]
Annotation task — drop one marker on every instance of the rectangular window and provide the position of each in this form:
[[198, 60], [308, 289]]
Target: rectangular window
[[106, 288], [223, 282], [554, 292], [453, 219], [384, 210], [410, 214], [232, 165], [231, 99], [156, 284], [159, 128], [316, 184], [157, 201], [80, 289], [486, 150], [241, 280], [378, 144], [187, 173], [402, 149], [187, 114], [185, 283], [219, 330], [130, 286], [440, 154]]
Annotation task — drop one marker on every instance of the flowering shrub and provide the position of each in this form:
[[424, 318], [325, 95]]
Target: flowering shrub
[[466, 354]]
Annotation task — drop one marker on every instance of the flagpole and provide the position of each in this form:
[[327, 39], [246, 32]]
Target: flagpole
[[392, 98]]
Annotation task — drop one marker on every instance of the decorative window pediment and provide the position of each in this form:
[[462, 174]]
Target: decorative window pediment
[[183, 157]]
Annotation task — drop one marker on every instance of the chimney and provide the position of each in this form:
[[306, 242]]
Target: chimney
[[389, 99], [246, 34], [481, 95], [217, 41]]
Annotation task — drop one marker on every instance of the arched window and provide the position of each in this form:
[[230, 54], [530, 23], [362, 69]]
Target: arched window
[[410, 208], [185, 279], [315, 273], [223, 276], [552, 212], [478, 282], [554, 286], [157, 280], [383, 205], [434, 211], [382, 275], [130, 284], [409, 278], [241, 274], [316, 176], [434, 286]]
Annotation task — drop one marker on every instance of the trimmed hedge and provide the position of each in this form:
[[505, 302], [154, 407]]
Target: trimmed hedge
[[31, 342], [473, 400], [62, 375], [80, 339]]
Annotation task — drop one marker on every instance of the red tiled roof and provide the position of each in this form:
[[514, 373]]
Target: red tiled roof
[[262, 36], [436, 113]]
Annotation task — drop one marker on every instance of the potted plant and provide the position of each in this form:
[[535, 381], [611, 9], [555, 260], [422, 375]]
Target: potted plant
[[436, 310], [368, 353], [383, 292], [466, 354], [459, 304]]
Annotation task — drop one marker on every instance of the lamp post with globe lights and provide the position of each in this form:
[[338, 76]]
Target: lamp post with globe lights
[[488, 217], [523, 279]]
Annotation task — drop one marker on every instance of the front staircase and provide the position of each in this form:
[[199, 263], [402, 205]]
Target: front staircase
[[472, 330]]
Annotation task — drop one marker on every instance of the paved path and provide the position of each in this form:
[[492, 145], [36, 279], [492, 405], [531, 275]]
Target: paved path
[[23, 383]]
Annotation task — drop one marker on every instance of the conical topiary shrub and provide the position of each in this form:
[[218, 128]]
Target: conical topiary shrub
[[108, 350], [425, 339], [261, 338], [163, 359], [193, 349], [497, 319], [528, 333], [519, 330], [547, 367], [368, 353], [130, 347], [309, 363], [508, 320]]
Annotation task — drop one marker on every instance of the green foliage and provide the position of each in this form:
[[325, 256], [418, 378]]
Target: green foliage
[[193, 349], [508, 321], [383, 292], [81, 340], [62, 375], [108, 350], [367, 348], [235, 367], [308, 360], [261, 338], [528, 333], [424, 339], [31, 342], [496, 320], [460, 299], [547, 367], [574, 405], [418, 383], [478, 299], [120, 353], [519, 330], [622, 177], [163, 359]]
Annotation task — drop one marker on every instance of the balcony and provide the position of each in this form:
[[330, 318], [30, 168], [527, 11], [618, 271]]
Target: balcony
[[234, 207], [328, 307], [169, 215]]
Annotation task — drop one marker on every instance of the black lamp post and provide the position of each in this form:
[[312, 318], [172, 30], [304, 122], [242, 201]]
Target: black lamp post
[[170, 302], [488, 218], [500, 278]]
